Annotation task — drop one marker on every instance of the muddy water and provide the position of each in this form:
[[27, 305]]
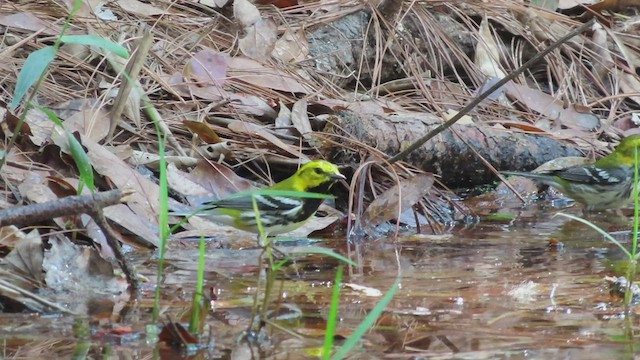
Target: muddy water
[[493, 290]]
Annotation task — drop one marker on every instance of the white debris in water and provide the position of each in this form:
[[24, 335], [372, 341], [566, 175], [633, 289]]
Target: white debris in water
[[525, 292]]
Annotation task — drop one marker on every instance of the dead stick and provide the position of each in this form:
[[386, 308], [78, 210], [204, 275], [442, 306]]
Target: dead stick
[[91, 204], [70, 205]]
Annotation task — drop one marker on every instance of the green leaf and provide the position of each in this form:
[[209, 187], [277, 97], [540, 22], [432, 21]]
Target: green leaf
[[33, 68], [83, 163], [94, 40]]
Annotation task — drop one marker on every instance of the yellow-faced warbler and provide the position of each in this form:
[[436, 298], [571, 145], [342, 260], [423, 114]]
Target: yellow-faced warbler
[[281, 208], [605, 184]]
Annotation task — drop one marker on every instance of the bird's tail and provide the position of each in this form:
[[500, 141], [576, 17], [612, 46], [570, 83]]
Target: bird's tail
[[538, 177]]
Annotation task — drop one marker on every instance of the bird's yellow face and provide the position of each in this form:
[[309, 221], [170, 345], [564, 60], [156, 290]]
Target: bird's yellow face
[[316, 173]]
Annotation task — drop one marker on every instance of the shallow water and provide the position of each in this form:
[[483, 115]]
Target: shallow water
[[492, 290]]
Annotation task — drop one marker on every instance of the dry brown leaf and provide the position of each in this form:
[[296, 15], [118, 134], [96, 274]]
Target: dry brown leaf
[[257, 130], [97, 236], [178, 181], [252, 72], [487, 55], [300, 118], [569, 4], [291, 47], [283, 121], [28, 21], [139, 8], [144, 201], [218, 180], [397, 199], [40, 124], [27, 256], [554, 109], [246, 13], [203, 130], [144, 229], [84, 116], [260, 40], [487, 58], [601, 46], [315, 223], [207, 67], [11, 235]]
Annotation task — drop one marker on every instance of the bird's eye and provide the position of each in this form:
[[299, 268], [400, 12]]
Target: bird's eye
[[318, 171]]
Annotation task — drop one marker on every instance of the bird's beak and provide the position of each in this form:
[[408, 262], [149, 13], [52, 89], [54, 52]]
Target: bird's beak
[[337, 177]]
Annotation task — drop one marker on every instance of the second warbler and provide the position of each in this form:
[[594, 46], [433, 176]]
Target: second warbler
[[278, 214], [604, 184]]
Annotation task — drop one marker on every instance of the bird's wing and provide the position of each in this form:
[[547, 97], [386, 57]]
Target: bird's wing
[[263, 202], [592, 175]]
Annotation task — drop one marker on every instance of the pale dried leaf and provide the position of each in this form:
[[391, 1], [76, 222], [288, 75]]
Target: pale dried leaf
[[397, 199], [97, 235], [300, 118], [28, 21], [554, 109], [179, 182], [601, 47], [252, 72], [260, 40], [144, 200], [629, 84], [315, 223], [11, 235], [41, 126], [27, 256], [570, 4], [139, 8], [465, 120], [487, 55], [291, 47], [283, 121], [256, 130], [145, 230], [207, 67], [246, 13], [84, 116], [214, 3], [104, 13]]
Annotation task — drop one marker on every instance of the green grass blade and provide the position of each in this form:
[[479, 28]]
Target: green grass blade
[[34, 67], [367, 323], [196, 307], [332, 319], [83, 163], [602, 232], [97, 41]]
